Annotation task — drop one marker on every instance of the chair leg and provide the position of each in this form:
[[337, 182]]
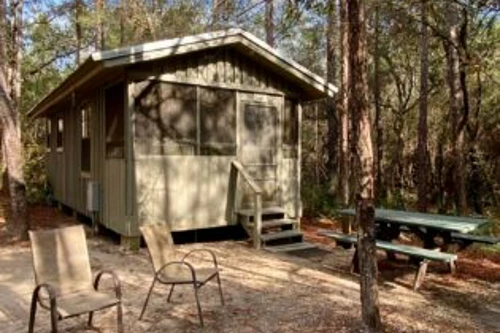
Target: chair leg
[[119, 318], [198, 303], [91, 317], [32, 313], [220, 289], [147, 298], [53, 318], [171, 292]]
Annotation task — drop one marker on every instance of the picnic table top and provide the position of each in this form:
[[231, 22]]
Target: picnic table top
[[436, 221]]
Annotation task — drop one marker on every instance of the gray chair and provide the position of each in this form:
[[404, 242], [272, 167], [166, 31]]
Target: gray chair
[[63, 278], [170, 272]]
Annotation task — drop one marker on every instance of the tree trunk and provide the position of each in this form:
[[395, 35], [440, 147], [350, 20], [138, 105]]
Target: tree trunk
[[423, 167], [331, 74], [269, 22], [457, 110], [78, 30], [343, 107], [10, 90], [364, 166], [379, 191], [99, 6], [3, 32], [123, 4]]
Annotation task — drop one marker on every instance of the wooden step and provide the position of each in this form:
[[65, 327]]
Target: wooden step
[[280, 235], [265, 211], [267, 224], [291, 247]]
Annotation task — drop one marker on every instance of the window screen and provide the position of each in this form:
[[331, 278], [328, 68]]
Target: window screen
[[290, 129], [217, 122], [114, 109], [85, 143], [60, 129], [165, 122], [290, 124]]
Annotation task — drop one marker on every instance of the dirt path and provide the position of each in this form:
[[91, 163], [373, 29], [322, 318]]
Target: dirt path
[[264, 293]]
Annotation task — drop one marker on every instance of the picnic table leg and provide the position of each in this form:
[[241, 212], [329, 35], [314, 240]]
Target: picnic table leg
[[388, 232], [453, 267], [420, 275], [428, 239], [355, 262]]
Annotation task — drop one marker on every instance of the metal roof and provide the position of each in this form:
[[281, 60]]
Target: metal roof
[[99, 61]]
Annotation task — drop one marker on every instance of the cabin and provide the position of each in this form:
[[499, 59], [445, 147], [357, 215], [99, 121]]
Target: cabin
[[196, 132]]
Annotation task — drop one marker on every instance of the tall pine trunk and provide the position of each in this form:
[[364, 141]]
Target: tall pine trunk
[[269, 22], [10, 91], [78, 31], [343, 107], [458, 115], [423, 167], [331, 73], [379, 125], [364, 166], [99, 28]]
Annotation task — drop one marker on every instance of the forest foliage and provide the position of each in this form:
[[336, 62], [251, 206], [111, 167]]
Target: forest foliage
[[60, 34]]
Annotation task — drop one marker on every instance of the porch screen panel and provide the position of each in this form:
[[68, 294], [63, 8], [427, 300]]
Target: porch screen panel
[[165, 122], [290, 129], [114, 109], [217, 122]]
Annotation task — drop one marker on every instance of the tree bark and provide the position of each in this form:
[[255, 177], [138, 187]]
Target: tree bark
[[269, 22], [364, 166], [343, 107], [78, 30], [331, 74], [458, 115], [379, 125], [423, 167], [10, 90], [99, 7]]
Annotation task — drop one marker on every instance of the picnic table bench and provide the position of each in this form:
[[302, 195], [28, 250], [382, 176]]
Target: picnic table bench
[[452, 229], [425, 255]]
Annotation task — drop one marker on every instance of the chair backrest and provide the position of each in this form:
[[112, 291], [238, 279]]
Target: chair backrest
[[60, 258], [160, 243]]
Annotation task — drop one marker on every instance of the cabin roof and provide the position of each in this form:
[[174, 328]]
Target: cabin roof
[[314, 86]]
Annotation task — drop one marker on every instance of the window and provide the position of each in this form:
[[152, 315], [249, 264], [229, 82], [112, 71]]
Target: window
[[290, 129], [60, 129], [48, 132], [114, 108], [85, 157], [217, 122], [165, 122]]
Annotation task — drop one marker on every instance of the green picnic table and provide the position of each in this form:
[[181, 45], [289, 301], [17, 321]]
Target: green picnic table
[[427, 226]]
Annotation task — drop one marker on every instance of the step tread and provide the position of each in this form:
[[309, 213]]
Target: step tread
[[280, 235], [265, 211], [291, 247], [275, 223]]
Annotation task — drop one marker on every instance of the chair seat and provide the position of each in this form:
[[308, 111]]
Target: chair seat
[[83, 302], [180, 275]]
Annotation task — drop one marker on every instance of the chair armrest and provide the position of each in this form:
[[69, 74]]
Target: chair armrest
[[50, 290], [212, 254], [182, 263], [116, 282]]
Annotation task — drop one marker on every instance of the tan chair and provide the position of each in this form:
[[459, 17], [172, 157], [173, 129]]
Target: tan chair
[[161, 250], [64, 279]]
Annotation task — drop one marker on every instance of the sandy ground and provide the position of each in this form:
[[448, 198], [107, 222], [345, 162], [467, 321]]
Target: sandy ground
[[264, 292]]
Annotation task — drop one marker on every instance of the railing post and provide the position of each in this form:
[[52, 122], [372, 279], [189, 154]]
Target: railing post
[[231, 193], [257, 220]]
